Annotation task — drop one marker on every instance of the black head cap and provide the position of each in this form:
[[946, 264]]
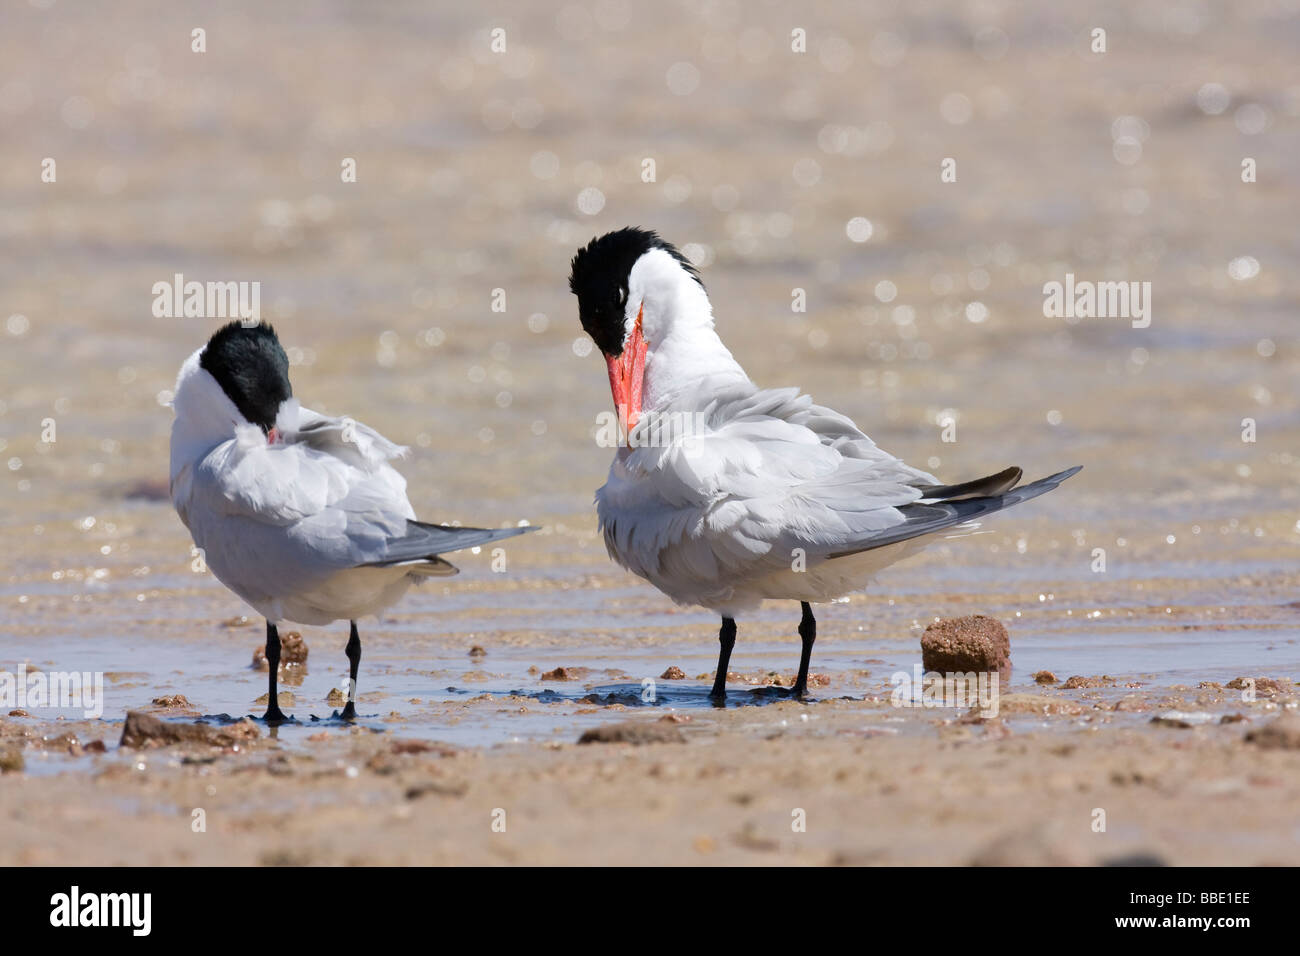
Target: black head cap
[[599, 279], [251, 368]]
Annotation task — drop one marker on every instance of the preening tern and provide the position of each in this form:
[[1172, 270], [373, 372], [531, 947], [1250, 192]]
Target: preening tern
[[722, 493], [299, 514]]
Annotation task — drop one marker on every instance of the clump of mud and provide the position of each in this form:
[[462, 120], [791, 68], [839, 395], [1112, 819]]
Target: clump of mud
[[144, 730], [962, 645]]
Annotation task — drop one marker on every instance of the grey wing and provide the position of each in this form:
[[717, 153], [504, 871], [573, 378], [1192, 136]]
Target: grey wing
[[927, 517], [769, 472], [424, 542]]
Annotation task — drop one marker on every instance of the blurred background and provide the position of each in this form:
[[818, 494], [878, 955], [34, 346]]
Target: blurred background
[[776, 170]]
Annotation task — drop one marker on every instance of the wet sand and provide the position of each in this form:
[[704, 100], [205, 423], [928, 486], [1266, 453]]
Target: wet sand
[[838, 782], [225, 166]]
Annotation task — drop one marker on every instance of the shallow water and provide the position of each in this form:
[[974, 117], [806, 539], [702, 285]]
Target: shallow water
[[225, 167]]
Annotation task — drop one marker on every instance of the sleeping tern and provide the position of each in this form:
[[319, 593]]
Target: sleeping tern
[[299, 514]]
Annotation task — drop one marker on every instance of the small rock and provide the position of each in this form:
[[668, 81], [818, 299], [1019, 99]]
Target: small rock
[[633, 732], [336, 697], [1044, 677], [1281, 733], [1232, 718], [172, 700], [1264, 686], [673, 673], [1077, 682], [566, 673], [240, 620], [145, 730], [293, 649], [19, 713], [68, 742], [293, 652], [11, 760], [964, 644]]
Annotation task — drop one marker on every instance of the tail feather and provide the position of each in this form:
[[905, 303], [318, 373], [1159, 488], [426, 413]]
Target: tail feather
[[979, 488], [927, 517], [422, 543]]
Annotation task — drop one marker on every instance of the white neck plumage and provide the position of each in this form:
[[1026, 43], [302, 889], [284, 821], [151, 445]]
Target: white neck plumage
[[205, 415], [685, 359]]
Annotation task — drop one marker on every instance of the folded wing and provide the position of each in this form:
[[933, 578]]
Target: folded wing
[[323, 496], [761, 473]]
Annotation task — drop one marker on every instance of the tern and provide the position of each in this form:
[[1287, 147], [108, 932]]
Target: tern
[[722, 494], [299, 514]]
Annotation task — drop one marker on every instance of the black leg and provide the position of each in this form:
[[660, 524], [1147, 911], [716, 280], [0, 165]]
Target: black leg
[[808, 632], [726, 641], [353, 650], [273, 713]]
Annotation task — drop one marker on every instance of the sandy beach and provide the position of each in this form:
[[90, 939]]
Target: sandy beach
[[1159, 576]]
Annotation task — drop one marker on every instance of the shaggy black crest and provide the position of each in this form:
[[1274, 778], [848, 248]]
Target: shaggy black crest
[[599, 279], [251, 368]]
